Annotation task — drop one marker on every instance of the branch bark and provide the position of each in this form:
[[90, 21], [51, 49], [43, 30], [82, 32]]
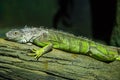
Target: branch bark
[[55, 65]]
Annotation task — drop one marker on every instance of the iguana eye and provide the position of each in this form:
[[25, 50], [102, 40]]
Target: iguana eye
[[16, 32]]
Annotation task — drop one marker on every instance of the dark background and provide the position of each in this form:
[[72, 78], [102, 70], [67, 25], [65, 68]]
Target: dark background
[[91, 18]]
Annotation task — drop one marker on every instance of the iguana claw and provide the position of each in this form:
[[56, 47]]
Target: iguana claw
[[37, 53]]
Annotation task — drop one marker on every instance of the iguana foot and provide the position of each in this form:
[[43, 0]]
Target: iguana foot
[[39, 52]]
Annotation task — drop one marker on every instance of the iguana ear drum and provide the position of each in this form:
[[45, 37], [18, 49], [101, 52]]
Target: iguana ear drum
[[43, 37]]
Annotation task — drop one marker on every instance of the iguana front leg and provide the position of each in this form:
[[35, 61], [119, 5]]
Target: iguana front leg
[[41, 51]]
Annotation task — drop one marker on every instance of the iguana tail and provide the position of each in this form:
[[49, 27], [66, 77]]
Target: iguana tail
[[118, 57]]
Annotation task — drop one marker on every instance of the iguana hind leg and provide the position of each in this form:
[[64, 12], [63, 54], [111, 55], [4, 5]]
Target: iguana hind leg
[[41, 51], [100, 55]]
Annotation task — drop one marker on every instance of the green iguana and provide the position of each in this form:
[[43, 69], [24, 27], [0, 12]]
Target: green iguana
[[48, 39]]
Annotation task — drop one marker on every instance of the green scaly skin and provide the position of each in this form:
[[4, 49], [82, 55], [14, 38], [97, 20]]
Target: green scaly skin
[[68, 42]]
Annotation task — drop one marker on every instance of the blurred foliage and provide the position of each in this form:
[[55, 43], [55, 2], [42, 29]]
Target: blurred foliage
[[31, 12], [18, 13], [115, 39]]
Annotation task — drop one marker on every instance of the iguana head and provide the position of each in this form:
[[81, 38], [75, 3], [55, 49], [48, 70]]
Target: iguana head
[[16, 35], [25, 35]]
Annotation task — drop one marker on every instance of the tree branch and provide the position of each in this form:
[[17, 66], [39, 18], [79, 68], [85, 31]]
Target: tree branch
[[57, 64]]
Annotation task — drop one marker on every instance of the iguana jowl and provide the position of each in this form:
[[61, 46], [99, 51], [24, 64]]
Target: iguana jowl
[[48, 39]]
